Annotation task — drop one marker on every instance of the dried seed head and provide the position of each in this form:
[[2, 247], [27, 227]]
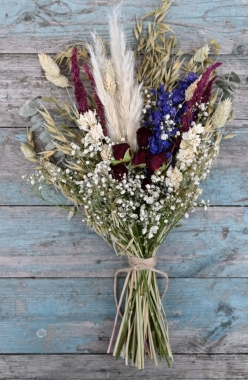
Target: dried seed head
[[201, 54], [109, 77], [106, 152], [28, 151], [52, 71], [49, 66], [222, 113], [60, 81]]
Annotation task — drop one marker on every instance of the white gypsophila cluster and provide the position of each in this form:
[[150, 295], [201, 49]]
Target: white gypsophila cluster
[[109, 203], [105, 199], [90, 149]]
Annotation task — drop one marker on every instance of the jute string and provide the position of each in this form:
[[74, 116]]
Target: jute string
[[136, 264]]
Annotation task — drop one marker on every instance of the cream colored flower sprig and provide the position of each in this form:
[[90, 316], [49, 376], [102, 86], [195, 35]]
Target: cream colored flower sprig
[[222, 113], [52, 71], [88, 123]]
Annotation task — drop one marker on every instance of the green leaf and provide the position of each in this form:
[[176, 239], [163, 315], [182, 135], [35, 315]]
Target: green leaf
[[59, 154], [140, 166], [235, 77], [36, 126], [226, 94], [45, 137], [49, 146], [127, 156], [115, 162], [162, 168], [37, 117], [29, 108]]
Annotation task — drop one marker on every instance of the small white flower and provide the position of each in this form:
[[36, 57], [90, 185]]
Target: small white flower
[[173, 177], [86, 120], [164, 136]]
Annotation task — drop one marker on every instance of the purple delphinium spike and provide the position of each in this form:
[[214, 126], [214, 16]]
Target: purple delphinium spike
[[100, 109], [79, 90]]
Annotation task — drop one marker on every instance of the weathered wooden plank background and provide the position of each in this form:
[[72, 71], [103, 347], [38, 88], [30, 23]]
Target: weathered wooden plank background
[[56, 276]]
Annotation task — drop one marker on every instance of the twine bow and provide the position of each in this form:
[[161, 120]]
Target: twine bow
[[138, 264]]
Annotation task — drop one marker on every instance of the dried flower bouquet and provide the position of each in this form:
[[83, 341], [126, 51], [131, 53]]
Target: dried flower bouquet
[[132, 153]]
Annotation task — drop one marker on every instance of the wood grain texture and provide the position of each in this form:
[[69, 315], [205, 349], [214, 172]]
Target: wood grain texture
[[41, 242], [77, 315], [77, 367], [56, 277], [53, 24]]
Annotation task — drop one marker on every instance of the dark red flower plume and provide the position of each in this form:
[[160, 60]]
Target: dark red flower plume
[[79, 90], [99, 106]]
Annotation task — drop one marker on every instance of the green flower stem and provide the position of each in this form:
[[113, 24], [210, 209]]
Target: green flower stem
[[143, 329]]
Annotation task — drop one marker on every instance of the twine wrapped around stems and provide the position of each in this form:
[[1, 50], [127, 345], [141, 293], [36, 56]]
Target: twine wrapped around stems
[[136, 264]]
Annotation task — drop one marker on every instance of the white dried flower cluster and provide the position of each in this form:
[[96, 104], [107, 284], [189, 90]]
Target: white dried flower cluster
[[173, 177], [89, 123], [189, 144]]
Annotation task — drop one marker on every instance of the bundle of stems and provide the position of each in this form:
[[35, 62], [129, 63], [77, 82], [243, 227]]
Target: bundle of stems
[[144, 329]]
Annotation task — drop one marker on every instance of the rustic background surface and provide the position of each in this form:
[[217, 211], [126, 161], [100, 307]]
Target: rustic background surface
[[56, 284]]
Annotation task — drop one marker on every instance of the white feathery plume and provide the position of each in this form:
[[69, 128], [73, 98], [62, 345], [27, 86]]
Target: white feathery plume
[[128, 95], [123, 107], [106, 99], [99, 50]]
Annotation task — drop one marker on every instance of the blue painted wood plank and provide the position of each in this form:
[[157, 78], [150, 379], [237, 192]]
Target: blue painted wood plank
[[76, 315], [194, 22], [41, 242]]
